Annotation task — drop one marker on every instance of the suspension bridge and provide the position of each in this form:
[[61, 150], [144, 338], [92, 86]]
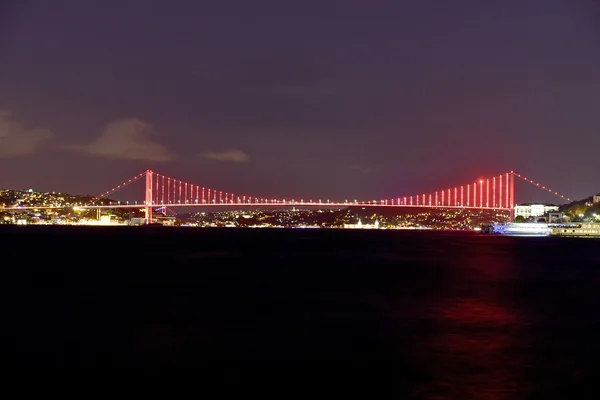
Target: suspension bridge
[[163, 192]]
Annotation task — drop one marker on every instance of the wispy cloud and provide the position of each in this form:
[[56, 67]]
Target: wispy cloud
[[126, 139], [16, 140], [230, 155]]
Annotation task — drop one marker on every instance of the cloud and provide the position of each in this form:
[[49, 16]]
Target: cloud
[[16, 140], [230, 155], [126, 139]]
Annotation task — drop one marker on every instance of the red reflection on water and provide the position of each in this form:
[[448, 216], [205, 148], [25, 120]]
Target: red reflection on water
[[476, 311], [475, 352], [477, 348]]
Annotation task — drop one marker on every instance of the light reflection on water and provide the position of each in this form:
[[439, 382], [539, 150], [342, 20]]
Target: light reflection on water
[[452, 315], [473, 349]]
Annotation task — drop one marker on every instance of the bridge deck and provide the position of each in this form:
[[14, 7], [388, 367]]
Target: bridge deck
[[287, 204]]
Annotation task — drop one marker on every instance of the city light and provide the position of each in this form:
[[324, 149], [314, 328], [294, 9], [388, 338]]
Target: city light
[[167, 191]]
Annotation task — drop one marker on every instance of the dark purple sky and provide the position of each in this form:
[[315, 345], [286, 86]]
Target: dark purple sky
[[328, 98]]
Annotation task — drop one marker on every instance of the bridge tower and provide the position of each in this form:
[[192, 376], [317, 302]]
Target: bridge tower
[[148, 200], [511, 191]]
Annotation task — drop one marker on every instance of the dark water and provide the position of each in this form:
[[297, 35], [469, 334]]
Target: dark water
[[423, 314]]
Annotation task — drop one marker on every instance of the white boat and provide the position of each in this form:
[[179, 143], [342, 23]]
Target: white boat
[[526, 228]]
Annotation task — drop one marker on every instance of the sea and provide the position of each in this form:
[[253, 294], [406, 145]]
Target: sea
[[420, 314]]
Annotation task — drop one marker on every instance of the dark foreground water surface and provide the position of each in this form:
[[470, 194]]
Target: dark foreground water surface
[[424, 314]]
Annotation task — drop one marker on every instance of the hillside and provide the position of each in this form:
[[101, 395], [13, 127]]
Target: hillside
[[581, 210], [66, 205]]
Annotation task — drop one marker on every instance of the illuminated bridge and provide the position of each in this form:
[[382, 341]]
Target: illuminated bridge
[[160, 192]]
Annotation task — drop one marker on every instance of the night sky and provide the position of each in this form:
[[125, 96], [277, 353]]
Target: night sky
[[333, 99]]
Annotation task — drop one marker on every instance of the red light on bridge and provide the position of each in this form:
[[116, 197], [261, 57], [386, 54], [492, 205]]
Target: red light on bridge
[[181, 193]]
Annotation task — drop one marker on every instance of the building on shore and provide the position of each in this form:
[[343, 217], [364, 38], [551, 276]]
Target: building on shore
[[360, 225], [105, 220], [534, 210]]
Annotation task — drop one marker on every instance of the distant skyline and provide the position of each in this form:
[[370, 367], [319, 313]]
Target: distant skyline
[[334, 99]]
